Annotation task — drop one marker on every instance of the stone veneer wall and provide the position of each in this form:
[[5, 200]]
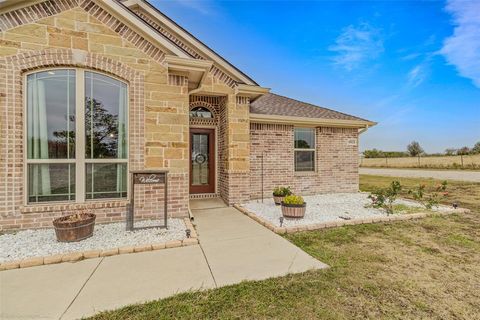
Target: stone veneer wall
[[81, 34], [336, 161]]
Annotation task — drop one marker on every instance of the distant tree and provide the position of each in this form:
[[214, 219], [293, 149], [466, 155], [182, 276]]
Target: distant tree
[[374, 153], [395, 154], [463, 151], [476, 148], [414, 149], [450, 151]]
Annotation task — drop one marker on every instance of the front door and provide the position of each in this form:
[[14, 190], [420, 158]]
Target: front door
[[202, 160]]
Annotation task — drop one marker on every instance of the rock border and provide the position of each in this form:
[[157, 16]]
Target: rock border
[[81, 255], [333, 224]]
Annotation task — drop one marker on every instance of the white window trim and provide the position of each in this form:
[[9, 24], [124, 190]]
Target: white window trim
[[314, 150], [80, 159]]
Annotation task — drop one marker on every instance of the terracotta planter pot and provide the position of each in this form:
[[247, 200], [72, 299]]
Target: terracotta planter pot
[[70, 231], [296, 211], [278, 199]]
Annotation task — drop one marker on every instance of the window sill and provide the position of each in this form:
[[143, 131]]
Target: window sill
[[49, 207]]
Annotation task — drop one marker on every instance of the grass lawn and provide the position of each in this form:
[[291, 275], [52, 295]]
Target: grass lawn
[[427, 268]]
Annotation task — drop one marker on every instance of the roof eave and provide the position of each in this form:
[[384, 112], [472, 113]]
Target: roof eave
[[310, 122], [157, 14]]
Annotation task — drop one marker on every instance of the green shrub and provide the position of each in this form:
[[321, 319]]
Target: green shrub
[[282, 191], [431, 200], [293, 199], [385, 197]]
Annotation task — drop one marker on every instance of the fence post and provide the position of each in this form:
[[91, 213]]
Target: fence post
[[461, 157], [386, 161], [418, 160]]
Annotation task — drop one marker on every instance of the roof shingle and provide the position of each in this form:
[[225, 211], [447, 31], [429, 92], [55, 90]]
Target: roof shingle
[[274, 104]]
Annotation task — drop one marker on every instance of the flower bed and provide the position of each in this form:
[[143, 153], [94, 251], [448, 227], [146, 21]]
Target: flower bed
[[336, 209], [36, 247]]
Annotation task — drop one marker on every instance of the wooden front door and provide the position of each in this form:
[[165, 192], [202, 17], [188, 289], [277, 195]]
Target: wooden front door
[[202, 160]]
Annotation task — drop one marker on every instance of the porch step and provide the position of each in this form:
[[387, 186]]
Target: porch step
[[202, 204]]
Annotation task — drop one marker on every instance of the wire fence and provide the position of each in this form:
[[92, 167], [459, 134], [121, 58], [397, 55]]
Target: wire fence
[[439, 162]]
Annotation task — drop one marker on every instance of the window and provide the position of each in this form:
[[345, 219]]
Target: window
[[200, 112], [304, 149], [76, 136]]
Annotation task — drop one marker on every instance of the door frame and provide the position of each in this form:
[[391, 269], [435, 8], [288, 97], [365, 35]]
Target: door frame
[[212, 169]]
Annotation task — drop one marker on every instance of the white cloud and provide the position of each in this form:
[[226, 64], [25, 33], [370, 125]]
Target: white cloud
[[462, 49], [417, 75], [356, 45]]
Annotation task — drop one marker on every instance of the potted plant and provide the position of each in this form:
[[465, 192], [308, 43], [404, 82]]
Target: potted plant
[[74, 227], [293, 207], [279, 193]]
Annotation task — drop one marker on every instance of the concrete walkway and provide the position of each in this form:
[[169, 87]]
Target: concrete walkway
[[459, 175], [238, 248], [233, 248]]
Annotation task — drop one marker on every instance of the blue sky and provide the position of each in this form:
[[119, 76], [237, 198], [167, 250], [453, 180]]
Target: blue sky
[[414, 67]]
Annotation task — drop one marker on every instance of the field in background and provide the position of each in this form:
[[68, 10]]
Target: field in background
[[440, 162]]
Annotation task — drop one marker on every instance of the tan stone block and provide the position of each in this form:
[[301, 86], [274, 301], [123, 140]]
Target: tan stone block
[[10, 265], [6, 51], [94, 28], [96, 48], [122, 51], [280, 230], [189, 242], [173, 153], [31, 30], [80, 43], [109, 252], [157, 78], [158, 246], [127, 249], [24, 38], [65, 23], [154, 162], [72, 257], [50, 21], [291, 229], [332, 224], [53, 259], [9, 44], [92, 254], [143, 248], [59, 40], [107, 40], [173, 244], [31, 262]]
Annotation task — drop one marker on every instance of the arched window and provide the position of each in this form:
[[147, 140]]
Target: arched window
[[201, 112], [77, 137]]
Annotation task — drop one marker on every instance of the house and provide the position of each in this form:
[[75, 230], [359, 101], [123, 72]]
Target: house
[[91, 90]]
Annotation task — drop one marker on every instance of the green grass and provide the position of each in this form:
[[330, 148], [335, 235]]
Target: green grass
[[422, 269]]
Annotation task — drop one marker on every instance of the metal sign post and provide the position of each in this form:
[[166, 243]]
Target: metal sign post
[[147, 177]]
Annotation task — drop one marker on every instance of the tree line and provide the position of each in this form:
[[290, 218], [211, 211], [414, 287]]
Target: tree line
[[414, 149]]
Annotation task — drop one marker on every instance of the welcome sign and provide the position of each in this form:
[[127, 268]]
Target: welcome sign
[[147, 177]]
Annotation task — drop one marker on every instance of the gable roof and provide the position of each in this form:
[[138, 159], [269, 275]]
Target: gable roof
[[183, 39], [276, 105]]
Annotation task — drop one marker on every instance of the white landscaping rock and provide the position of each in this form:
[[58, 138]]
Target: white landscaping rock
[[42, 242], [324, 208]]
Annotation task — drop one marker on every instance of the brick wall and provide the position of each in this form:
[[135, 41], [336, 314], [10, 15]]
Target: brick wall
[[81, 34], [336, 161]]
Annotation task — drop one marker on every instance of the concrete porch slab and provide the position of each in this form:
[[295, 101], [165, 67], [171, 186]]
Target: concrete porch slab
[[237, 248], [201, 204]]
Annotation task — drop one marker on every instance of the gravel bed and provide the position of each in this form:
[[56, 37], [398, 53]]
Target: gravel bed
[[327, 208], [42, 242]]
